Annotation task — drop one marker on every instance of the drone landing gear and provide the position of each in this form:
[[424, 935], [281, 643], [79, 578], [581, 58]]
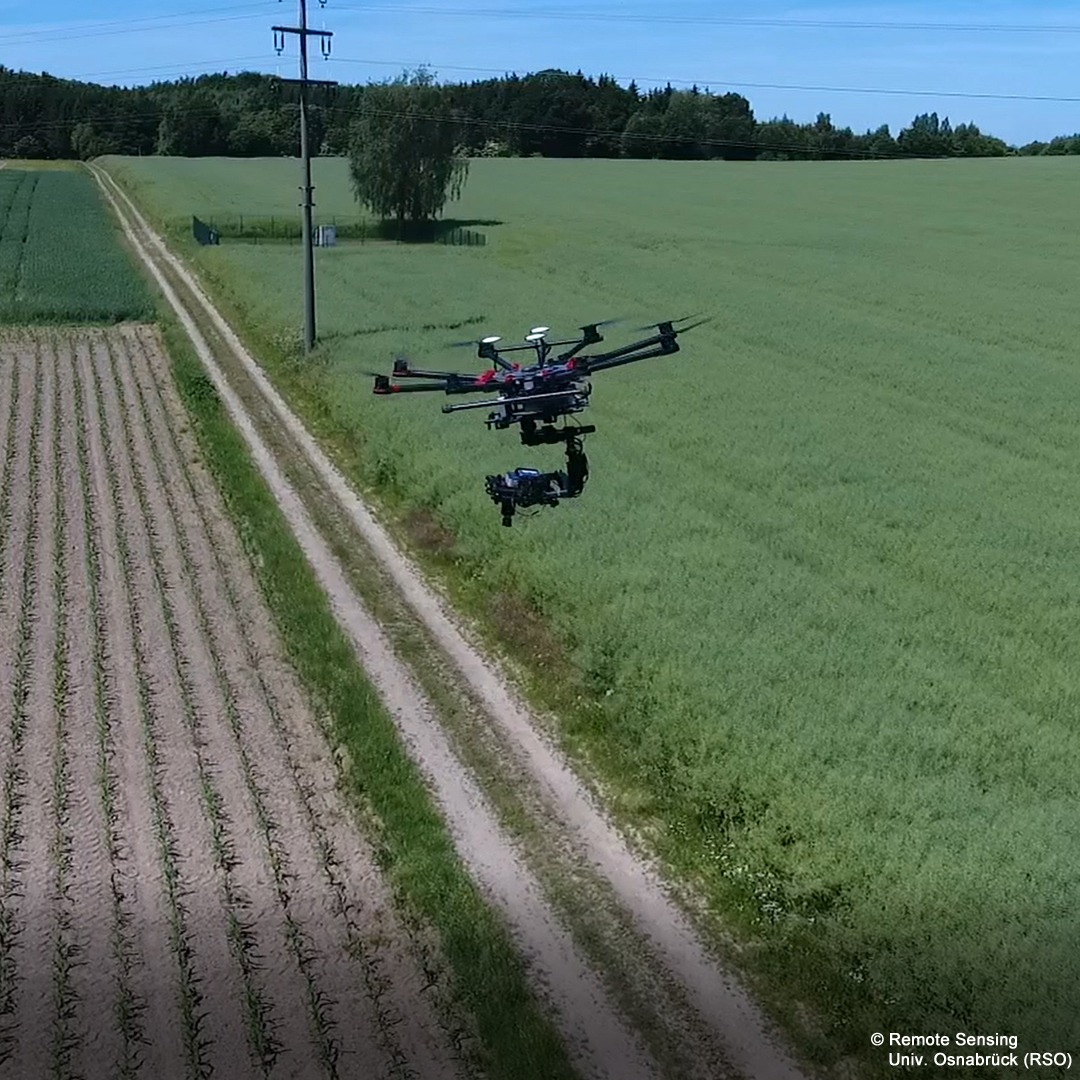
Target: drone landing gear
[[523, 488]]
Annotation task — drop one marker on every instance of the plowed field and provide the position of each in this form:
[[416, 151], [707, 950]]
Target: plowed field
[[182, 890]]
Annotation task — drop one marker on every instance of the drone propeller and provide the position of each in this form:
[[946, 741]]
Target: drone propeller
[[474, 343], [700, 322], [667, 322]]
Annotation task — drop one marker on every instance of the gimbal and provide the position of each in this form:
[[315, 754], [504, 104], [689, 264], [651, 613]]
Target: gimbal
[[524, 487]]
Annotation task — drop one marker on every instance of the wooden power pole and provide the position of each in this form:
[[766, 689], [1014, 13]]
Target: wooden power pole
[[304, 82]]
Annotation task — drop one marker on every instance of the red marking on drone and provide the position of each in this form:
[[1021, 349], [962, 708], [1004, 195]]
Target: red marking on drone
[[485, 378]]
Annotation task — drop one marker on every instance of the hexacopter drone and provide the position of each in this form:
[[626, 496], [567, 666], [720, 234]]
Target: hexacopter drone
[[536, 396]]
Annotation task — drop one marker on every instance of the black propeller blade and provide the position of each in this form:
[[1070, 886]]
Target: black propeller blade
[[664, 322], [700, 322]]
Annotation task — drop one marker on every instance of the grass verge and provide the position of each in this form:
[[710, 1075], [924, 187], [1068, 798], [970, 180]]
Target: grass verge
[[413, 845]]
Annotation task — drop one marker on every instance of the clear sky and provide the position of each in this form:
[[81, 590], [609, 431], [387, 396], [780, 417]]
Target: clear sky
[[786, 56]]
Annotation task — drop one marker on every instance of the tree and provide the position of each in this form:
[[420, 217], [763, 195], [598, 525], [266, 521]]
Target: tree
[[403, 154], [642, 136], [926, 137], [683, 126], [729, 127], [88, 143], [191, 125]]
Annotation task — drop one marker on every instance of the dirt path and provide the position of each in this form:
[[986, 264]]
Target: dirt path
[[664, 935], [182, 889]]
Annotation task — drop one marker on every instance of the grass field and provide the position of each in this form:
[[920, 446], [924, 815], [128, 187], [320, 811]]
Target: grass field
[[60, 259], [820, 597]]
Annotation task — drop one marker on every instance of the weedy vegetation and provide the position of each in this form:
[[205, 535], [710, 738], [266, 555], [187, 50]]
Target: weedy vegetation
[[61, 258], [812, 623]]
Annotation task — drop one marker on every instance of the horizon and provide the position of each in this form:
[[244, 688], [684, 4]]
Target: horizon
[[864, 65]]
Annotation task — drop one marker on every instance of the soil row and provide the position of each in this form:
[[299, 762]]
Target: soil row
[[183, 892]]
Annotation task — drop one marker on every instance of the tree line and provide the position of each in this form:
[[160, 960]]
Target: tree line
[[548, 113]]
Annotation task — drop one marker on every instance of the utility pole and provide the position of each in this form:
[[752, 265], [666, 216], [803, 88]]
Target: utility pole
[[304, 82]]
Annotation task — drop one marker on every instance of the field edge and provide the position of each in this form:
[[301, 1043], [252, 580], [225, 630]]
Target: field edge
[[511, 1036]]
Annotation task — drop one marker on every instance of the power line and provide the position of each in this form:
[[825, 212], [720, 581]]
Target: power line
[[747, 85], [125, 26], [719, 20], [230, 62], [108, 29], [182, 69]]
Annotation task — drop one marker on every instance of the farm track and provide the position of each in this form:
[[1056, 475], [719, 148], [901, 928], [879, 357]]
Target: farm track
[[592, 917], [183, 892]]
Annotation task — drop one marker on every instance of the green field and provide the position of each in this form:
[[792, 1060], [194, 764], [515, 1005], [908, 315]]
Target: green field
[[61, 259], [819, 607]]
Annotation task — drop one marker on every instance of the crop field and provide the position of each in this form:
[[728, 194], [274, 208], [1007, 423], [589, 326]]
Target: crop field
[[182, 890], [817, 609], [60, 255]]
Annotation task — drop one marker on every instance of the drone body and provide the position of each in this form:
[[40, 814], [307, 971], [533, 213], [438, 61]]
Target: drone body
[[535, 396]]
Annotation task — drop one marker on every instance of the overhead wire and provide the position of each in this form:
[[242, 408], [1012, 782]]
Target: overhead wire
[[749, 85], [118, 26], [231, 62], [227, 62], [714, 20], [125, 26]]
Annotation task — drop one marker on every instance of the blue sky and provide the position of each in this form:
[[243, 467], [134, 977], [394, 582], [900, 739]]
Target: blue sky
[[722, 45]]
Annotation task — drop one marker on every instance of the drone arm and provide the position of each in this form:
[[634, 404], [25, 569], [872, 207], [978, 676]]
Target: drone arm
[[419, 373], [455, 385], [387, 387], [622, 356], [666, 340], [570, 353], [590, 335]]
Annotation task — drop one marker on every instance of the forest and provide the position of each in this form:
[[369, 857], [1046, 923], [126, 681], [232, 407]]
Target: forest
[[548, 114]]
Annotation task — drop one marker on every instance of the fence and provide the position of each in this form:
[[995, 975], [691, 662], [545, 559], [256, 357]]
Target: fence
[[254, 229]]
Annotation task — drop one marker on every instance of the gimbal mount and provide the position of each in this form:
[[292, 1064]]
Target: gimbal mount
[[524, 487]]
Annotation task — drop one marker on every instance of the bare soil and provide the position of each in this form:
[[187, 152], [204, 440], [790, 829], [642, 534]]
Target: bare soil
[[183, 891]]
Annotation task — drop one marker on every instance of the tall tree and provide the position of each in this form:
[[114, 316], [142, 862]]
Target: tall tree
[[403, 154]]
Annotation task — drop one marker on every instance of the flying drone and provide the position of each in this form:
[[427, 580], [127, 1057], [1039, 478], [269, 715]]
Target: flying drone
[[536, 396]]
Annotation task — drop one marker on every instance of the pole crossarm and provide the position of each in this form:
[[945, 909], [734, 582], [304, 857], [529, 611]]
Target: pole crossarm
[[302, 30], [307, 82]]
